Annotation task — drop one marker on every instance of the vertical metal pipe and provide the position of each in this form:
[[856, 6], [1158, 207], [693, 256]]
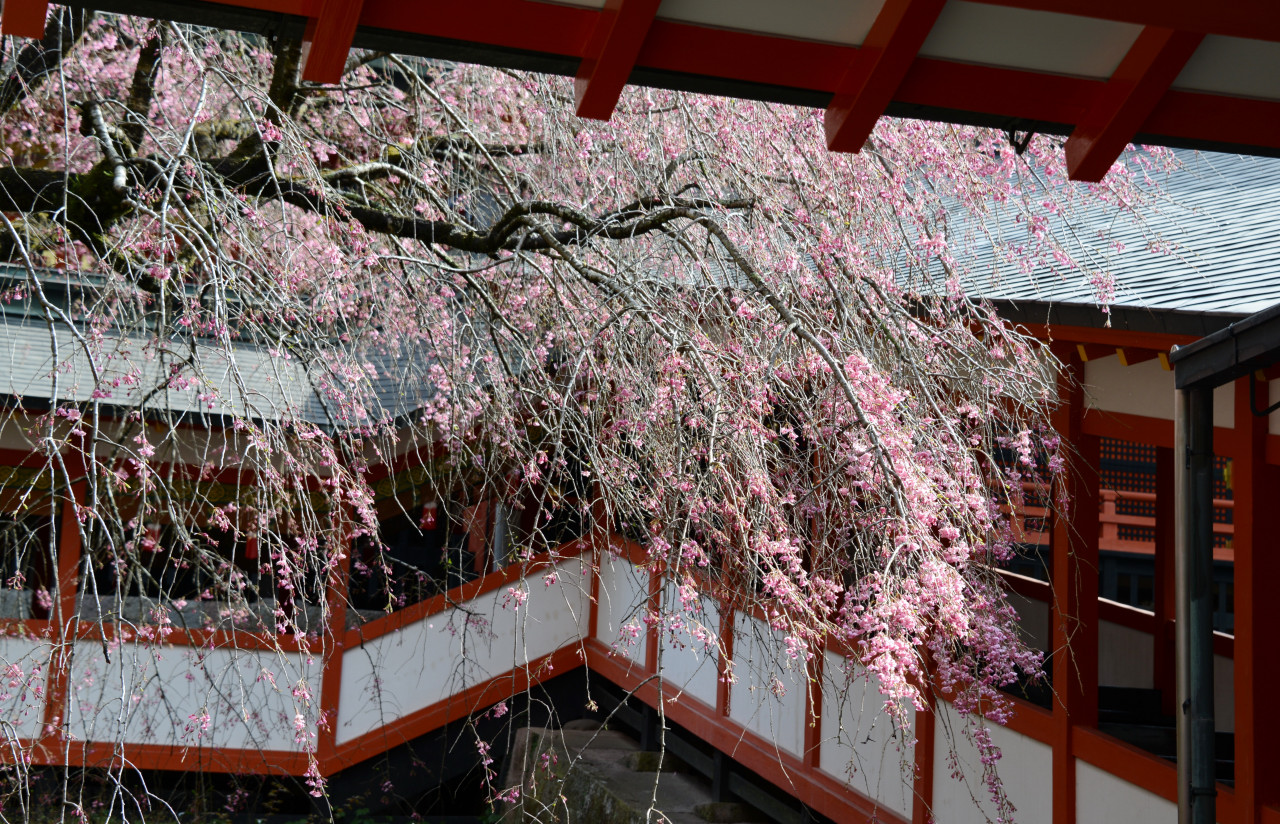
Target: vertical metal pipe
[[1194, 626], [1183, 502]]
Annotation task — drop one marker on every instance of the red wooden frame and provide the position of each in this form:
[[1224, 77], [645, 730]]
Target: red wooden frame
[[327, 40], [1257, 614], [1152, 63], [959, 90], [877, 70], [1074, 608], [610, 55]]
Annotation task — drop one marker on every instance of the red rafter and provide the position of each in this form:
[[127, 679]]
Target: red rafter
[[1151, 64], [1094, 351], [610, 55], [1130, 356], [24, 18], [877, 70], [328, 40]]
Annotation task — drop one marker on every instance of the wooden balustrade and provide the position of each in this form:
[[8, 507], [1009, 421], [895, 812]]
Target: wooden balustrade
[[1029, 527]]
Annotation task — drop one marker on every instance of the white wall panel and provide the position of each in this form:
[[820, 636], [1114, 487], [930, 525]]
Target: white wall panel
[[768, 697], [24, 663], [1035, 40], [425, 662], [688, 654], [832, 21], [1033, 620], [1124, 657], [194, 696], [1144, 389], [1025, 769], [1100, 796], [861, 744], [624, 595]]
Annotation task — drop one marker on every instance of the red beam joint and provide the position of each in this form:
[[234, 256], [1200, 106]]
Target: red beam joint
[[877, 70], [1129, 97], [24, 18], [327, 40], [610, 55]]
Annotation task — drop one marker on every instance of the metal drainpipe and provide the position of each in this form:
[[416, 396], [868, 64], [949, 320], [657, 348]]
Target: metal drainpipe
[[1193, 548]]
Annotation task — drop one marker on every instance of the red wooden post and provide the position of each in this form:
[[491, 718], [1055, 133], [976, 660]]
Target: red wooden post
[[723, 658], [63, 619], [922, 805], [1257, 612], [814, 671], [1074, 546], [337, 586], [1162, 665]]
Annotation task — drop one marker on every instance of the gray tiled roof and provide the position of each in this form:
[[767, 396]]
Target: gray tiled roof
[[244, 380], [1220, 219]]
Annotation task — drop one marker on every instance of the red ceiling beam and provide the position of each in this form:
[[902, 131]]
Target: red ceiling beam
[[610, 55], [24, 18], [327, 40], [1129, 97], [877, 70]]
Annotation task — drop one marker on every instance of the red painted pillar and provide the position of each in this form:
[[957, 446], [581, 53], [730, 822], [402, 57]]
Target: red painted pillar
[[1074, 617], [1162, 665], [1257, 611], [63, 620], [926, 731], [814, 671], [337, 586]]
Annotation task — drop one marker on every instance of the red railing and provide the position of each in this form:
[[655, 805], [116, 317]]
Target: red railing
[[1029, 522]]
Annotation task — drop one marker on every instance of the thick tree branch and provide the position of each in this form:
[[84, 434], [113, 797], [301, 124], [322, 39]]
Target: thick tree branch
[[142, 90], [510, 233]]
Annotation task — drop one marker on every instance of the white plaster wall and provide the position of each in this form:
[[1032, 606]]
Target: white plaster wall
[[1033, 620], [768, 696], [1025, 768], [1224, 695], [426, 662], [624, 596], [148, 695], [14, 431], [688, 654], [861, 745], [1144, 389], [24, 663], [1100, 796], [1124, 657]]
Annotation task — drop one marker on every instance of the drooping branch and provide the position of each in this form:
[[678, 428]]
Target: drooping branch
[[39, 59]]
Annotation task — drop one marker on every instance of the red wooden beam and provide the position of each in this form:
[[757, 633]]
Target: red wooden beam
[[1094, 351], [1132, 355], [877, 70], [24, 18], [1151, 64], [327, 40], [610, 55]]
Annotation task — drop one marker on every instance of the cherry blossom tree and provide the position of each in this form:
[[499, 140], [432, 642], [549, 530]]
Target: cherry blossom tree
[[691, 325]]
